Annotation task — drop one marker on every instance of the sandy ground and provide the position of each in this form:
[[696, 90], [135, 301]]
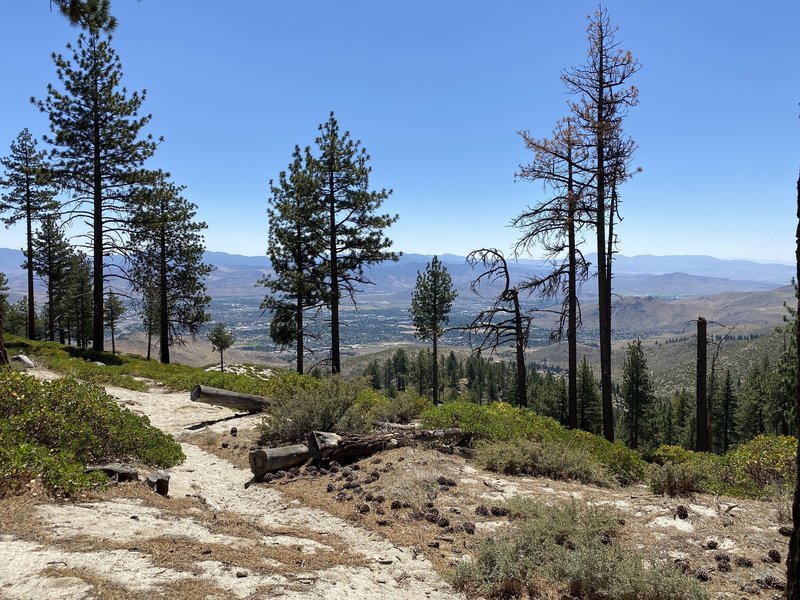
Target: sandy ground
[[214, 538], [77, 547]]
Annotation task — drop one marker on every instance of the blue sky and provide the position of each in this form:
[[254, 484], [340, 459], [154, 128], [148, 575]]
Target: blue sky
[[437, 92]]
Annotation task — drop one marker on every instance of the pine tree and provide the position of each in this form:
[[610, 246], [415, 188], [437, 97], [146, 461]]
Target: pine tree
[[431, 303], [168, 258], [589, 414], [29, 197], [295, 286], [77, 301], [114, 309], [93, 15], [221, 339], [49, 261], [98, 151], [3, 311], [637, 394], [353, 233]]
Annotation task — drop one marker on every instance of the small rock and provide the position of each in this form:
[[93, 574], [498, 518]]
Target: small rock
[[333, 468], [375, 474], [205, 551], [134, 517], [370, 479], [376, 461], [749, 589], [356, 467], [241, 574]]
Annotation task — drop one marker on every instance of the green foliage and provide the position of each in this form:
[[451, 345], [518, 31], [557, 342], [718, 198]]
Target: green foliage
[[329, 404], [549, 458], [760, 468], [432, 300], [637, 395], [167, 259], [678, 479], [221, 339], [54, 428], [502, 422], [404, 407], [568, 547]]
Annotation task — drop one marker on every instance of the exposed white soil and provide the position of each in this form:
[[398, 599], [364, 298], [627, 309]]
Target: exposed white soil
[[386, 570]]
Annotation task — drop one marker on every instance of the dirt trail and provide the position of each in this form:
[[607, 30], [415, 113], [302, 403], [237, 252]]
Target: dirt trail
[[115, 547]]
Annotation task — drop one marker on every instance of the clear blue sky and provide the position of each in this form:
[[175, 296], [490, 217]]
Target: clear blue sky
[[437, 92]]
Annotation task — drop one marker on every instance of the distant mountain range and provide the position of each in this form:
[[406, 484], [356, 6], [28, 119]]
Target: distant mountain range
[[667, 277]]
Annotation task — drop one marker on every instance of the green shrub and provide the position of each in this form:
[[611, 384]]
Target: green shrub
[[761, 467], [678, 479], [404, 407], [569, 548], [543, 459], [54, 429], [306, 404], [673, 454], [502, 422]]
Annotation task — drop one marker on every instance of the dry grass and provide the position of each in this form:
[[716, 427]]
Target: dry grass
[[238, 446]]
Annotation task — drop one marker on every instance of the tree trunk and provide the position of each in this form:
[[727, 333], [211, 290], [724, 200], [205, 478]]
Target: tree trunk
[[572, 301], [229, 399], [3, 355], [29, 263], [163, 313], [221, 361], [113, 344], [270, 460], [435, 369], [793, 559], [522, 376], [334, 300], [98, 326], [702, 399]]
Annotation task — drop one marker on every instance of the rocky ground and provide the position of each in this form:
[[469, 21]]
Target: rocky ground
[[412, 516]]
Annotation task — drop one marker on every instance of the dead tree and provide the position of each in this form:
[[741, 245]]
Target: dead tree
[[703, 417], [603, 97], [504, 322], [793, 560], [561, 163]]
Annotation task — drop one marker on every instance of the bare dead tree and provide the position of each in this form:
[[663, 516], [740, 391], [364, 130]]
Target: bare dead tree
[[504, 322], [561, 164], [603, 98], [793, 560]]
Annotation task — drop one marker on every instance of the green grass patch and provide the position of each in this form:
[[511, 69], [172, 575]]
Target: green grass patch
[[501, 422], [53, 429], [570, 550]]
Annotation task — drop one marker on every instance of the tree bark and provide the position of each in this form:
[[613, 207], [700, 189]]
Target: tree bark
[[98, 326], [229, 399], [163, 313], [435, 367], [29, 223], [334, 258], [793, 559], [572, 301], [270, 460], [519, 346], [702, 399]]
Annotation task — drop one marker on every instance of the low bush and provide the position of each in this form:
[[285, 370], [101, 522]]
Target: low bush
[[569, 550], [53, 429], [543, 459], [328, 404], [678, 479], [499, 422], [761, 467]]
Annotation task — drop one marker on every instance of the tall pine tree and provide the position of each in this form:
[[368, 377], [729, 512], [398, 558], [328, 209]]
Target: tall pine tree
[[168, 260], [296, 283], [430, 309], [50, 261], [637, 394], [353, 230], [29, 197], [98, 151]]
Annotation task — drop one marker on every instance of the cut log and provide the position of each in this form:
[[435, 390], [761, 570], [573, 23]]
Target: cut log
[[229, 399], [24, 360], [322, 443], [119, 471], [159, 482], [270, 460]]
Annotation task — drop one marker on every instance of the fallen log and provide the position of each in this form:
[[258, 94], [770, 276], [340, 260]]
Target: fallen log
[[350, 446], [118, 471], [270, 460], [229, 399]]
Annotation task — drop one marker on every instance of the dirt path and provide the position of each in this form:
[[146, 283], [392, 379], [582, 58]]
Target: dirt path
[[213, 538]]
